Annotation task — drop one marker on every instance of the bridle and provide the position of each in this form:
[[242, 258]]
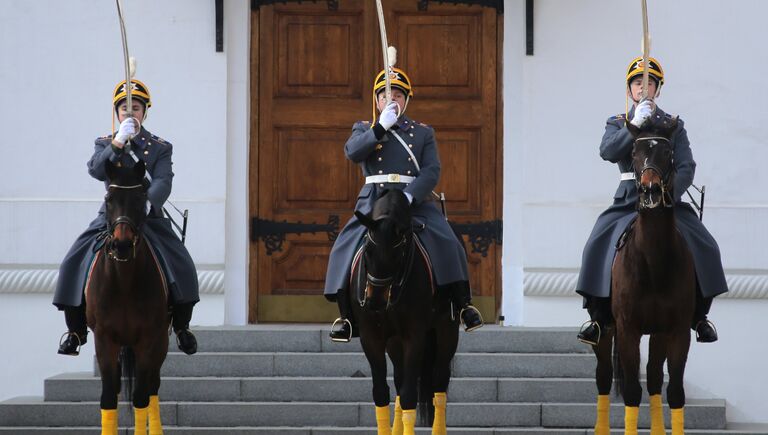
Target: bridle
[[666, 195], [387, 283], [111, 243]]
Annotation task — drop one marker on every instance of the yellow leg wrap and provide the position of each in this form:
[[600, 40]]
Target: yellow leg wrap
[[397, 425], [438, 425], [140, 420], [678, 420], [409, 422], [155, 425], [382, 420], [109, 422], [630, 420], [603, 423], [657, 416]]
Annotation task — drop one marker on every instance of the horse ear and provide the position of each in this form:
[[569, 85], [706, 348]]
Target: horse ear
[[139, 168], [635, 131], [670, 126], [109, 169], [364, 219]]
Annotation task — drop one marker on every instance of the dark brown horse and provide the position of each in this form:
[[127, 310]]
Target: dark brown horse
[[653, 292], [392, 296], [127, 304]]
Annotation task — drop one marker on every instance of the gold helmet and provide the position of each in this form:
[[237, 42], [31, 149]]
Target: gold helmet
[[138, 90], [636, 68], [398, 79]]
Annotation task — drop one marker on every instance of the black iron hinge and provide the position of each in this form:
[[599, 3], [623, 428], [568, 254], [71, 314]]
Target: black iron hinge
[[481, 234], [498, 4], [273, 233], [333, 5]]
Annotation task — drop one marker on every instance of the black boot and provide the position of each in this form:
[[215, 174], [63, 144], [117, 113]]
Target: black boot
[[71, 345], [182, 314], [77, 334], [342, 329], [461, 296], [600, 317], [705, 330]]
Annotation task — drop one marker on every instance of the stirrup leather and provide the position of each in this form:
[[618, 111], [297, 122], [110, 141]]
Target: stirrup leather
[[342, 340], [587, 324], [472, 307]]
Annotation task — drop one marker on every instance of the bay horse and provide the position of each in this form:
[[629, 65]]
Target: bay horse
[[392, 295], [653, 292], [127, 304]]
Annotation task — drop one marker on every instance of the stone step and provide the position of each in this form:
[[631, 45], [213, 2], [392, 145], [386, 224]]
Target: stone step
[[177, 430], [255, 364], [87, 387], [314, 338], [27, 412]]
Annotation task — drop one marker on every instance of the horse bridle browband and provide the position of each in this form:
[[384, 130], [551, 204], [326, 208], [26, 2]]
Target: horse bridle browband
[[666, 196], [110, 236]]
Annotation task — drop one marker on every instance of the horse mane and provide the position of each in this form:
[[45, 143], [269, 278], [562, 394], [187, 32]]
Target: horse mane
[[392, 203]]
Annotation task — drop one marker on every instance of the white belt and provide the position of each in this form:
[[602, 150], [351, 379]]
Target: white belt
[[627, 176], [389, 178]]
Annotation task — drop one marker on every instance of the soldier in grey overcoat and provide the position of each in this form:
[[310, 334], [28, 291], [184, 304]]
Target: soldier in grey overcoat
[[387, 164], [594, 282], [177, 265]]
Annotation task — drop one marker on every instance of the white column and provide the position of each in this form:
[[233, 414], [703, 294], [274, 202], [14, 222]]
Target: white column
[[237, 16]]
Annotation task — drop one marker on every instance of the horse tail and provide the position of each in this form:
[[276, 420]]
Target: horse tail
[[127, 361], [426, 409], [618, 372]]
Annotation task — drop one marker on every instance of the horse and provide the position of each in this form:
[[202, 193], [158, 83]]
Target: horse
[[392, 295], [653, 293], [127, 304]]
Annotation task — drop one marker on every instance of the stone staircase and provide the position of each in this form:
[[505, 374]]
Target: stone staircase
[[292, 380]]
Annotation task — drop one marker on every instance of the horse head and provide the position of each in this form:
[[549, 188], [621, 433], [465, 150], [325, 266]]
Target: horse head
[[653, 162], [387, 244], [126, 212]]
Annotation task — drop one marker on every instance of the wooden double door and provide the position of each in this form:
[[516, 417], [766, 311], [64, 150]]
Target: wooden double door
[[312, 71]]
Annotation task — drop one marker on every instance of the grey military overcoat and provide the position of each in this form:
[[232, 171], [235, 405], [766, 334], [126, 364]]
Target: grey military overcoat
[[177, 264], [599, 252], [387, 156]]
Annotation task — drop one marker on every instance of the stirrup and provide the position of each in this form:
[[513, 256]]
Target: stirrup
[[341, 340], [696, 328], [77, 336], [461, 316], [599, 332]]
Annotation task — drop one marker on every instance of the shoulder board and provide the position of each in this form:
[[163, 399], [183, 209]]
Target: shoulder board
[[159, 140], [424, 125], [366, 122], [109, 136], [619, 116]]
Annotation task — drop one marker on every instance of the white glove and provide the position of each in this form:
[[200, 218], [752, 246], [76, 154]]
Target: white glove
[[643, 111], [388, 116], [126, 131], [409, 196]]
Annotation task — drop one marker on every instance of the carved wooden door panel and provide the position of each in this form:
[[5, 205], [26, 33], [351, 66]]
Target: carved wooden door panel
[[311, 77]]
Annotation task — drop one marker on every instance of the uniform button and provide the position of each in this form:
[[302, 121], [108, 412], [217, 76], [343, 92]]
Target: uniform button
[[413, 126], [381, 172], [381, 185], [409, 159], [409, 172], [379, 158], [411, 134], [378, 146], [146, 152], [410, 145]]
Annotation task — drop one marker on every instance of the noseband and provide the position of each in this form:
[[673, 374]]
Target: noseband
[[110, 238], [666, 195]]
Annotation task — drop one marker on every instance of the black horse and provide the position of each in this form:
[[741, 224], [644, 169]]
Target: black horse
[[392, 293], [653, 285], [127, 304]]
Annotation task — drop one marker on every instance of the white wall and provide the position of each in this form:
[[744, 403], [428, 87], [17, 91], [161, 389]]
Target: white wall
[[555, 106]]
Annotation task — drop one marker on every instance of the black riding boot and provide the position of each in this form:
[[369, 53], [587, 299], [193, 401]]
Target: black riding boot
[[181, 316], [705, 330], [461, 296], [600, 314], [342, 329], [77, 331]]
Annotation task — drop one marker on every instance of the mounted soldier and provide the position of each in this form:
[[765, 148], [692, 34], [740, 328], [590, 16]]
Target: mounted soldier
[[396, 152], [594, 282], [132, 143]]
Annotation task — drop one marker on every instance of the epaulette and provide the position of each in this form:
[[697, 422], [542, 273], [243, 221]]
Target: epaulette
[[366, 122], [109, 136], [619, 116], [159, 140], [424, 125]]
